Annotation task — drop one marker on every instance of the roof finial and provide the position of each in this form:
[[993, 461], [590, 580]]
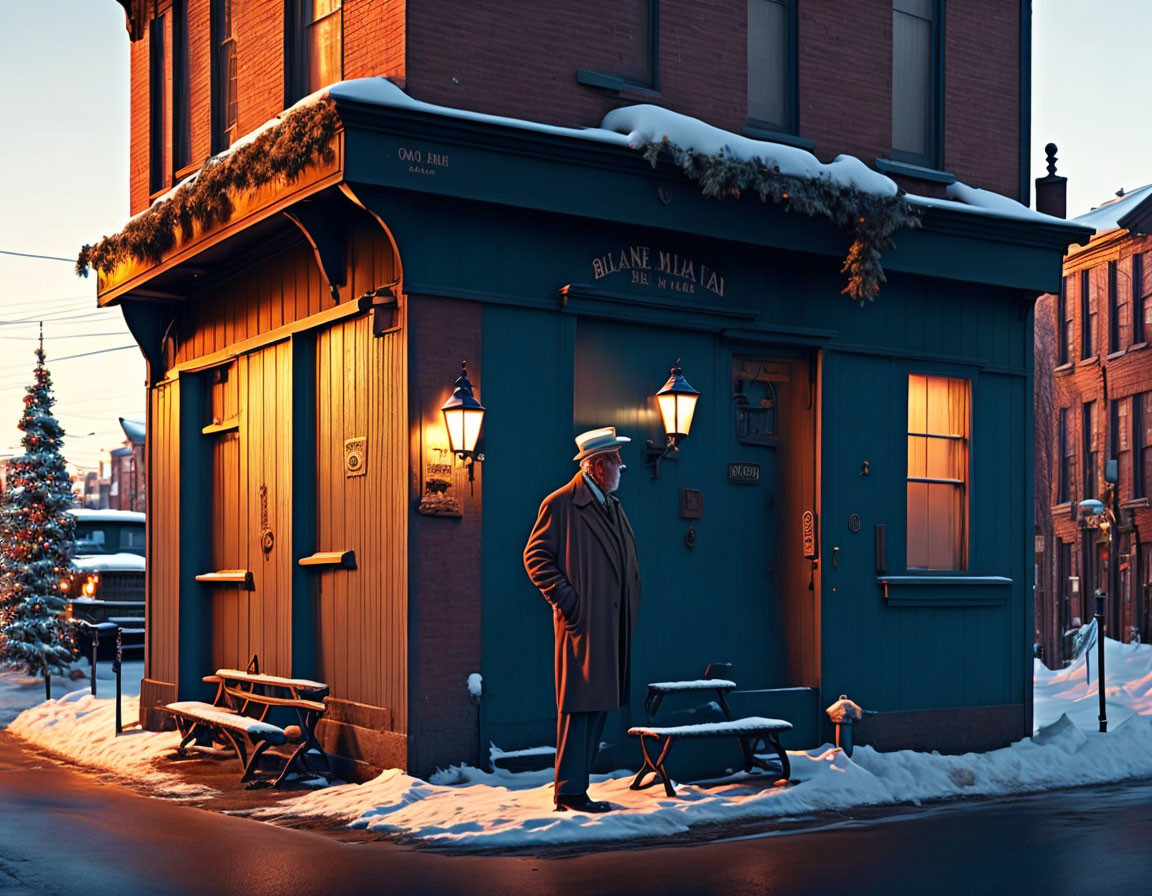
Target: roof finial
[[1050, 151]]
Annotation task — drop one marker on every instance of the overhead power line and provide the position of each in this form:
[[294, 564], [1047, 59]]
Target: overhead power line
[[34, 255]]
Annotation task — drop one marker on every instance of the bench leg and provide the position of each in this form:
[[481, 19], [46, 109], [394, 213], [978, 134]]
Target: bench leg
[[656, 768], [250, 765], [751, 759]]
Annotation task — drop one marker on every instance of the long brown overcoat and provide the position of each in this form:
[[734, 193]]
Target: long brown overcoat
[[573, 558]]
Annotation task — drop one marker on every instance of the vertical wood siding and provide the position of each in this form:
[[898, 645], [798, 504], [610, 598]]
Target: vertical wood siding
[[256, 455], [163, 573], [362, 621]]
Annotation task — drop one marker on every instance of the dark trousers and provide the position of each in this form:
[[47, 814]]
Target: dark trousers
[[577, 743]]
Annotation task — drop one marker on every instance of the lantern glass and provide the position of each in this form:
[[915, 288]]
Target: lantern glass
[[463, 425], [677, 403]]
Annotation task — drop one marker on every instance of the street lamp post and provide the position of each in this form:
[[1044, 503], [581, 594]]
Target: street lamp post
[[1094, 515]]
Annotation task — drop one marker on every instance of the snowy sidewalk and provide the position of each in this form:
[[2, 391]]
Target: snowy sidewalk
[[471, 809]]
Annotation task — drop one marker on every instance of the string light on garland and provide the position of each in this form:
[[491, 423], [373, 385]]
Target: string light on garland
[[873, 218]]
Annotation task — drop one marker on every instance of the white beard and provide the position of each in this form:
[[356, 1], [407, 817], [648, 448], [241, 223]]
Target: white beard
[[611, 480]]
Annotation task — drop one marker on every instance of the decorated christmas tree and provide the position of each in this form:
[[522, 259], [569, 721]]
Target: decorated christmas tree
[[36, 539]]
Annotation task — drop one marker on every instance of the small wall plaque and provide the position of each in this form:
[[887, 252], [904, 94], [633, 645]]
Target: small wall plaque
[[691, 504], [808, 534], [356, 457], [744, 474]]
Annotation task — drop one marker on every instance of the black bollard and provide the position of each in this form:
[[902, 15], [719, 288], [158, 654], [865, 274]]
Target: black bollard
[[116, 669], [1100, 659], [95, 647], [47, 683]]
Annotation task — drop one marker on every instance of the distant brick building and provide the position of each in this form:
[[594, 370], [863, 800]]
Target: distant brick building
[[851, 513], [126, 470], [1094, 379]]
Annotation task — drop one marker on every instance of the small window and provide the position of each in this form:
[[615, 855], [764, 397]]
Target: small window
[[314, 42], [1142, 444], [1119, 324], [1141, 299], [1091, 284], [181, 104], [1064, 482], [1063, 326], [772, 64], [224, 76], [159, 104], [916, 102], [939, 416], [1089, 453]]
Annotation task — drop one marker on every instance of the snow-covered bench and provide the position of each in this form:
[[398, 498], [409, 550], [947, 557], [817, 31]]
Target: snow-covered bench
[[243, 699], [748, 731], [196, 720]]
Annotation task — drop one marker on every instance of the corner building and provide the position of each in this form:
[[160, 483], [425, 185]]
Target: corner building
[[851, 512]]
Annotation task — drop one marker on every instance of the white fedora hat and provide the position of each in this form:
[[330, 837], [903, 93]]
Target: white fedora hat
[[599, 441]]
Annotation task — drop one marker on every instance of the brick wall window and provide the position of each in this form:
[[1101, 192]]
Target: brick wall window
[[1141, 444], [1064, 457], [1120, 439], [160, 101], [637, 62], [1119, 324], [1090, 284], [1063, 326], [1088, 449], [1141, 299], [939, 415], [181, 102], [916, 96], [772, 64], [313, 46], [224, 76]]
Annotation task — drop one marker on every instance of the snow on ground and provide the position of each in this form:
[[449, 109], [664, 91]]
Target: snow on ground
[[468, 808]]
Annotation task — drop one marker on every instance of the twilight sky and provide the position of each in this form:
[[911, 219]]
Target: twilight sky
[[64, 180]]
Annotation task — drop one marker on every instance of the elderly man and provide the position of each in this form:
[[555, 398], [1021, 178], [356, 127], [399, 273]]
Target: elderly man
[[582, 556]]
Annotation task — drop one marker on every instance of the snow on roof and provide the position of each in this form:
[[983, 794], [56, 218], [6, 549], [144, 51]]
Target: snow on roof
[[973, 200], [104, 562], [85, 515], [1107, 216]]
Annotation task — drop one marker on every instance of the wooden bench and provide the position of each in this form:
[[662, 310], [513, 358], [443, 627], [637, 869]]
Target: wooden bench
[[747, 732], [238, 716]]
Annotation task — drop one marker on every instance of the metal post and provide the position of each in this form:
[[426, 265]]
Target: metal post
[[1100, 659], [47, 682], [95, 634], [116, 669]]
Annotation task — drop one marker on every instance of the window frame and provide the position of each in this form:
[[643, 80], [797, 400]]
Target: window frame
[[963, 548], [1063, 326], [1139, 444], [181, 96], [1087, 317], [932, 156], [297, 56], [1064, 458], [223, 53], [159, 102], [791, 87], [1089, 458], [618, 83]]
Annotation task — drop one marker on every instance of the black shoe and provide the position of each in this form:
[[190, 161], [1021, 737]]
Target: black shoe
[[580, 803]]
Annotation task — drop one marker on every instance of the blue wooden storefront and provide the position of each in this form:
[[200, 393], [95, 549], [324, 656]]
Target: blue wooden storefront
[[572, 249]]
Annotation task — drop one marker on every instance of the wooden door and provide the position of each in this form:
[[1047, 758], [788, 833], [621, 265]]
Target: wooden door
[[250, 427]]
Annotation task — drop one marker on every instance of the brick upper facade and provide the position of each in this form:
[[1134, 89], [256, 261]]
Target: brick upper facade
[[1113, 373], [520, 58]]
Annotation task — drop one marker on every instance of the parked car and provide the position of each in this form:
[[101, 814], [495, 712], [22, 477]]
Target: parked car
[[106, 585]]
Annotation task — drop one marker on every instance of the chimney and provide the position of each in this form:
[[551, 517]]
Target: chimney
[[1052, 191]]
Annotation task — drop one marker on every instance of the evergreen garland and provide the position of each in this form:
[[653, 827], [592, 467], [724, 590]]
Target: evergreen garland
[[873, 218], [36, 539], [282, 152]]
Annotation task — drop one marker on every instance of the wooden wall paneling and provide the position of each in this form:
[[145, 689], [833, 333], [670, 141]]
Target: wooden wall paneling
[[163, 571], [281, 506]]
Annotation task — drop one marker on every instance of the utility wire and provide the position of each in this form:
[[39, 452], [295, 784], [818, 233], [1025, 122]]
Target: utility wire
[[33, 255]]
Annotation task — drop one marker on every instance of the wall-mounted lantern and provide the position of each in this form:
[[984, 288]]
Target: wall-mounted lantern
[[677, 402], [463, 417]]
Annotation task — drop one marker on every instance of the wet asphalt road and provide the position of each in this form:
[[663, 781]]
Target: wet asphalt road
[[62, 832]]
